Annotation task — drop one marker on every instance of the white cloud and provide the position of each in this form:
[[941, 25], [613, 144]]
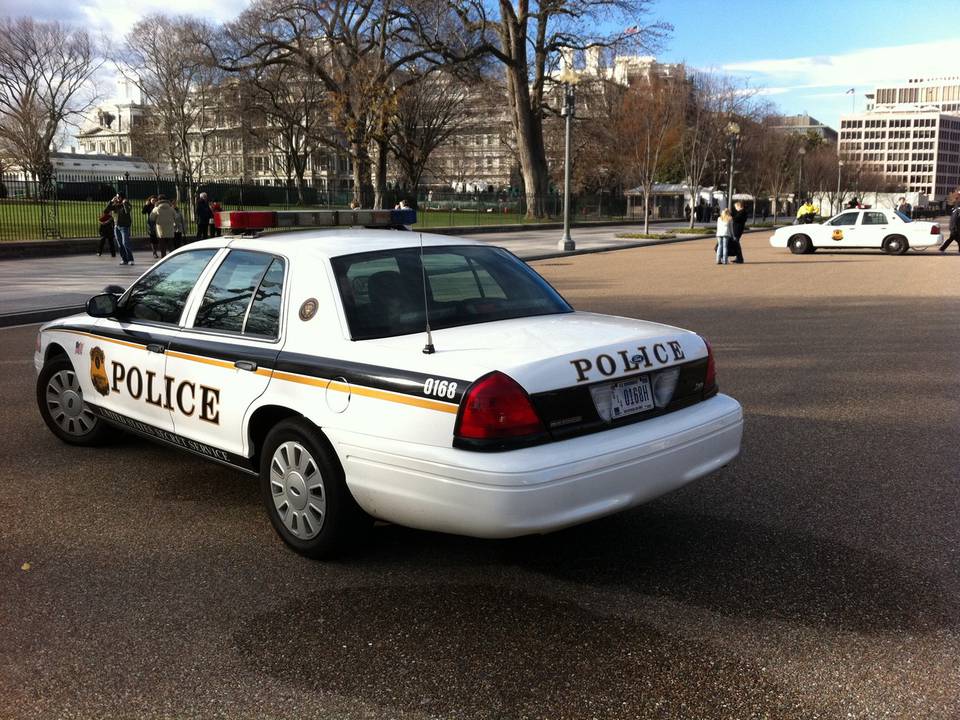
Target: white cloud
[[116, 18], [862, 69]]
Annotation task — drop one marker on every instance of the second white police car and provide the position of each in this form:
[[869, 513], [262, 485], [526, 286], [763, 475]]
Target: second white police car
[[366, 373], [887, 230]]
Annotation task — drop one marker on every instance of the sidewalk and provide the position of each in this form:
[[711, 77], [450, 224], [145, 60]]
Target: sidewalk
[[37, 289]]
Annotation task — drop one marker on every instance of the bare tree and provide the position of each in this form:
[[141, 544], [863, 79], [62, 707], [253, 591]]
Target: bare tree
[[648, 124], [162, 57], [527, 39], [46, 81], [426, 115], [713, 101], [781, 157]]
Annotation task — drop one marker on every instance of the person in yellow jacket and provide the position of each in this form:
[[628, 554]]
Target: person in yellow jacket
[[807, 212]]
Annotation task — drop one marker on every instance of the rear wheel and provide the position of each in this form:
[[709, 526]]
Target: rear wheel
[[60, 399], [800, 245], [305, 494], [895, 245]]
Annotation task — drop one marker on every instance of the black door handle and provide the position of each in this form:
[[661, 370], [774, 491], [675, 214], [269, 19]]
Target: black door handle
[[155, 348], [249, 365]]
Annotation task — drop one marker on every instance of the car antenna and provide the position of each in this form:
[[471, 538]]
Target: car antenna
[[428, 349]]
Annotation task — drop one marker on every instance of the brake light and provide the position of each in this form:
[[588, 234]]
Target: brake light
[[934, 229], [497, 408], [710, 378]]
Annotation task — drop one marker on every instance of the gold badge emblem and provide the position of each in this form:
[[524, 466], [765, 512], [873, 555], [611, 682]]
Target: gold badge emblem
[[837, 235], [98, 371], [308, 309]]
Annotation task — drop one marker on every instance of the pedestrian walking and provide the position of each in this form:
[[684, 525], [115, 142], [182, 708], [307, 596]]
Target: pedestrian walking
[[163, 217], [203, 217], [739, 224], [106, 235], [954, 235], [179, 225], [724, 235], [215, 207], [119, 208], [151, 224]]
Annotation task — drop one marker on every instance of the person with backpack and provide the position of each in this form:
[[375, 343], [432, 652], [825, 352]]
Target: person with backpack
[[164, 219], [106, 235], [203, 216], [119, 208], [724, 235], [954, 235]]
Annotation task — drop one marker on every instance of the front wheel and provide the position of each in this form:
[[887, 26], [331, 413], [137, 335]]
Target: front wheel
[[60, 399], [306, 496], [800, 245]]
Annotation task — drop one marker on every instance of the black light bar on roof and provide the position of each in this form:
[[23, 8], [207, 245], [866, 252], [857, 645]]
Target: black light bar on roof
[[253, 220]]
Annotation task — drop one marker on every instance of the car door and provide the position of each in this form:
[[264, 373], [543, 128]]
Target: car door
[[228, 348], [840, 231], [129, 353], [874, 226]]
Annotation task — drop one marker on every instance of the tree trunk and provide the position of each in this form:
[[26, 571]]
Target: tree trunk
[[528, 129], [646, 210], [380, 174], [694, 204], [362, 189]]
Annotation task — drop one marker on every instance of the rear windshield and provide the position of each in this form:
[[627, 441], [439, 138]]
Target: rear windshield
[[382, 292]]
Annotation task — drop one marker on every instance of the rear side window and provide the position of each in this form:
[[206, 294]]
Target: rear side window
[[160, 295], [383, 292], [246, 285], [874, 218]]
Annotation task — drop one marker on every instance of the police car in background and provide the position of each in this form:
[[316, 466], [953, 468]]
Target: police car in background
[[887, 230], [368, 373]]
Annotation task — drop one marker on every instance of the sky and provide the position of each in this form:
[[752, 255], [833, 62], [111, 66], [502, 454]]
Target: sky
[[802, 56]]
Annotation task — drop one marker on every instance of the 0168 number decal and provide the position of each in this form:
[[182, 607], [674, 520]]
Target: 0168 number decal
[[440, 388]]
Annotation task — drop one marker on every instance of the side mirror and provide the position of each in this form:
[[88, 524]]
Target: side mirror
[[103, 305], [115, 289]]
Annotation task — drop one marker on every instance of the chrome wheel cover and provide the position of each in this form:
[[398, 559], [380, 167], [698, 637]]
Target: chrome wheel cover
[[65, 404], [296, 486]]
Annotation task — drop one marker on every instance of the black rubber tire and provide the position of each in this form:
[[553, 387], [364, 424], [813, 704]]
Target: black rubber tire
[[895, 245], [100, 433], [344, 523], [800, 244]]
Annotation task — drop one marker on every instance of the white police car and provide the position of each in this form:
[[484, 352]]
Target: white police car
[[306, 358], [887, 230]]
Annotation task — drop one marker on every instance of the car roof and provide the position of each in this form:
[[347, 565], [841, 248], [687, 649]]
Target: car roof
[[328, 243]]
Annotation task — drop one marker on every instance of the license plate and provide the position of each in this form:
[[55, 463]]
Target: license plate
[[631, 396]]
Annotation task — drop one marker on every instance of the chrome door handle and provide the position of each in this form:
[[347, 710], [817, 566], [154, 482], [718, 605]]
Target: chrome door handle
[[247, 365], [155, 348]]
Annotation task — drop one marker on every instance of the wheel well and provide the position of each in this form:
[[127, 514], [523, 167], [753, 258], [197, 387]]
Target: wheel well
[[54, 349], [800, 235], [261, 422]]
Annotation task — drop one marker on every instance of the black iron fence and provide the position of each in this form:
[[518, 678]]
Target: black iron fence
[[70, 205]]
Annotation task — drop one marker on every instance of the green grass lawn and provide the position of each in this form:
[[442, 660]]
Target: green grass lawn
[[24, 220]]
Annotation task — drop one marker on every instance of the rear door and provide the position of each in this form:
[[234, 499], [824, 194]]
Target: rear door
[[229, 348], [874, 227]]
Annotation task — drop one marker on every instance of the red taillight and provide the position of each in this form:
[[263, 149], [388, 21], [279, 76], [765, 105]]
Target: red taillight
[[710, 378], [497, 408], [934, 229]]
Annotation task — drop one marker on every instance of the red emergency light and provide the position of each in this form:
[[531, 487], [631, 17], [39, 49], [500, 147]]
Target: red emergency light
[[248, 221]]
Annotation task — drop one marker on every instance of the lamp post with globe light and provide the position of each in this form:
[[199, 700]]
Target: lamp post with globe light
[[801, 152], [569, 78], [839, 196], [733, 136]]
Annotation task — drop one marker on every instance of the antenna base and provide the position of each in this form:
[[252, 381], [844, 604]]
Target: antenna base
[[428, 349]]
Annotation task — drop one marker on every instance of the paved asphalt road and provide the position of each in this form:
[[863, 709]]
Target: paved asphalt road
[[818, 576]]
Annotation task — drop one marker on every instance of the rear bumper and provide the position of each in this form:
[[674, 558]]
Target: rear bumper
[[542, 488]]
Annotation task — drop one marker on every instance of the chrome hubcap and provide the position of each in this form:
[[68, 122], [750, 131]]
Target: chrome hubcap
[[65, 404], [296, 486]]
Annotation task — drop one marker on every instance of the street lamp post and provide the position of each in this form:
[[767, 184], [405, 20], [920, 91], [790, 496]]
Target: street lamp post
[[801, 152], [569, 79], [839, 197], [126, 183], [733, 135]]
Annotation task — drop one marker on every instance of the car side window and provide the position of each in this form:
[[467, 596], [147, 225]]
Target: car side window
[[874, 218], [263, 319], [236, 287], [161, 294], [847, 218]]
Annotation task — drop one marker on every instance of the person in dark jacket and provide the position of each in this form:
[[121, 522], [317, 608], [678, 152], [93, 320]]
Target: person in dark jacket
[[151, 223], [203, 216], [954, 235], [106, 235], [122, 213], [739, 224]]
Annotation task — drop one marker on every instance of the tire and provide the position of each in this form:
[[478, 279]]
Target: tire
[[895, 245], [60, 399], [800, 244], [305, 494]]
